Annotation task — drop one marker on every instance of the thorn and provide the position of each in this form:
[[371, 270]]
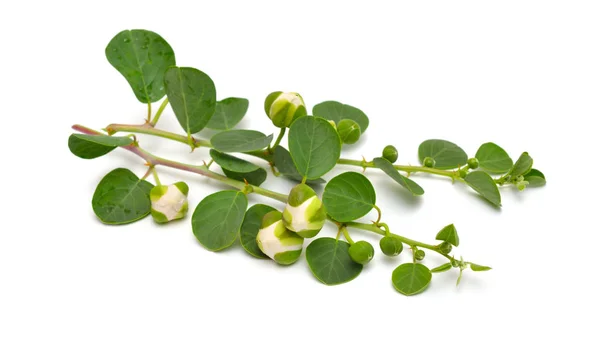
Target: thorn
[[246, 182], [147, 164]]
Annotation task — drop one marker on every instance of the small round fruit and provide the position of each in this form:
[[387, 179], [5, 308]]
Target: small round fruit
[[445, 248], [390, 153], [429, 162], [361, 252], [391, 246], [419, 255], [349, 131], [473, 163]]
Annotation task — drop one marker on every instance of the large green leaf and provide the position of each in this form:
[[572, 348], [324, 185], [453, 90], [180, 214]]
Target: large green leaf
[[142, 57], [483, 183], [228, 113], [336, 111], [240, 141], [255, 177], [449, 234], [522, 166], [192, 96], [218, 218], [388, 168], [121, 197], [348, 196], [231, 163], [315, 146], [285, 165], [250, 228], [446, 154], [93, 146], [411, 278], [330, 261], [535, 178], [493, 158]]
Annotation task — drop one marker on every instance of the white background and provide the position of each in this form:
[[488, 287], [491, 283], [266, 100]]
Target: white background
[[524, 74]]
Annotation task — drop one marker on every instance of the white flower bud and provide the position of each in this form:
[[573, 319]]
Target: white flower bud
[[277, 242], [169, 202]]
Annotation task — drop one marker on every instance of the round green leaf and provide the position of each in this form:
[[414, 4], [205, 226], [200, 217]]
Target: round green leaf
[[336, 111], [192, 96], [411, 278], [348, 196], [228, 113], [330, 261], [255, 177], [522, 166], [218, 218], [231, 163], [483, 183], [446, 154], [449, 234], [493, 158], [121, 197], [142, 57], [315, 146], [93, 146], [285, 165], [240, 141], [535, 178], [388, 168], [250, 228]]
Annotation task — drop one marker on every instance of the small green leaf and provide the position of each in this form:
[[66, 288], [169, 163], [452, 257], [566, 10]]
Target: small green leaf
[[218, 218], [315, 146], [228, 113], [192, 96], [142, 57], [348, 196], [330, 262], [240, 141], [483, 183], [250, 228], [388, 168], [411, 278], [535, 178], [255, 177], [446, 154], [336, 111], [493, 159], [93, 146], [478, 268], [442, 268], [522, 166], [285, 165], [231, 163], [449, 234], [121, 197]]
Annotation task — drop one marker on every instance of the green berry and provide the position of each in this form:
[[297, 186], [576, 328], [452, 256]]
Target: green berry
[[445, 248], [419, 255], [429, 162], [473, 163], [391, 246], [349, 131], [390, 153], [361, 252], [463, 173]]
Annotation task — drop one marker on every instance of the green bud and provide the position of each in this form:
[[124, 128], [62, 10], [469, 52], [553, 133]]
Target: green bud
[[463, 173], [361, 252], [419, 255], [283, 108], [169, 202], [429, 162], [455, 263], [473, 163], [276, 241], [390, 153], [391, 246], [304, 213], [521, 185], [349, 131], [445, 248]]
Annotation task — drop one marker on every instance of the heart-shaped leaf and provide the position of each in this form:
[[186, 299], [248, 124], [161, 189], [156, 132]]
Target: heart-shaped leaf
[[228, 113], [411, 278], [93, 146], [330, 261], [315, 146], [446, 154], [250, 228], [449, 234], [121, 197], [336, 111], [240, 141], [142, 57], [483, 183], [388, 168], [348, 196], [218, 218], [493, 159]]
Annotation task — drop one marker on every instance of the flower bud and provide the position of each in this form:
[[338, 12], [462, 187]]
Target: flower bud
[[391, 246], [445, 248], [429, 162], [361, 252], [419, 255], [473, 163], [304, 213], [169, 202], [284, 107], [276, 241], [463, 173], [349, 131], [390, 153]]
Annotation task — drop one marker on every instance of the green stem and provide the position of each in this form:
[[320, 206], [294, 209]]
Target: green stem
[[147, 129], [279, 138], [155, 175], [405, 168], [149, 112], [159, 112], [347, 236]]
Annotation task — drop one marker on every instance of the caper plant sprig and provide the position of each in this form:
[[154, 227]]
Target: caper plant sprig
[[314, 145]]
